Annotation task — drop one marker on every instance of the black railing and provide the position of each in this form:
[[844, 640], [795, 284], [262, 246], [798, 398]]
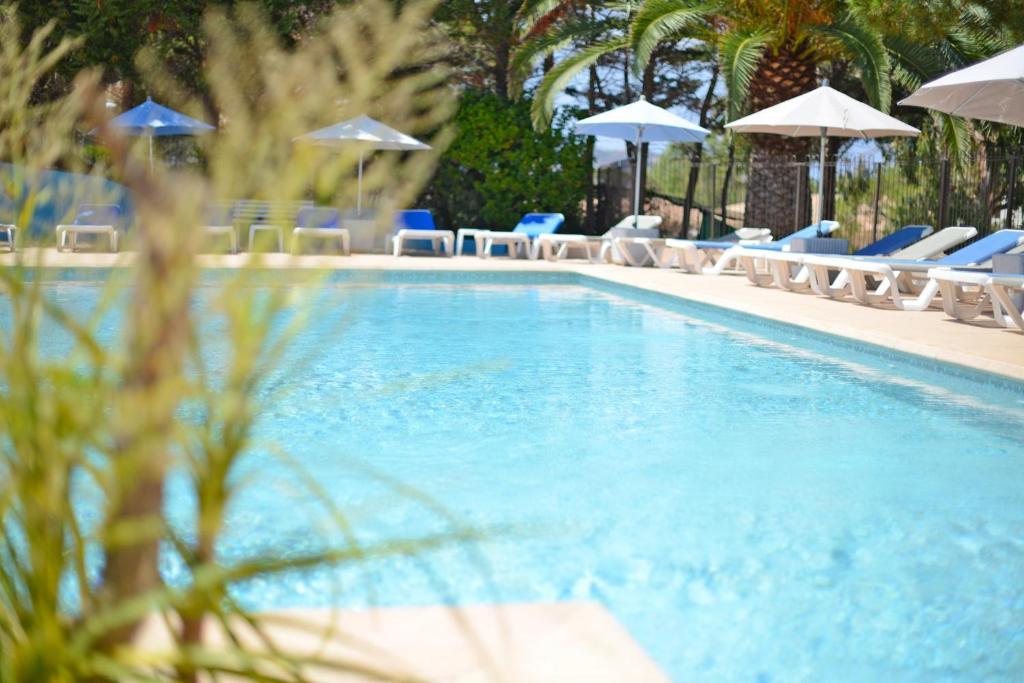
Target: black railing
[[868, 197]]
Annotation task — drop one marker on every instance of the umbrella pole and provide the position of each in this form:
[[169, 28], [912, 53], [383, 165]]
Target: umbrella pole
[[636, 179], [821, 181], [359, 199], [150, 154]]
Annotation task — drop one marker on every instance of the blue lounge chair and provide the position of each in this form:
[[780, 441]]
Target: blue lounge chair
[[899, 278], [91, 219], [415, 229], [8, 230], [524, 235], [786, 269], [323, 223]]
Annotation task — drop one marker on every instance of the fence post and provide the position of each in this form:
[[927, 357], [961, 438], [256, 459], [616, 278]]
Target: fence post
[[878, 199], [943, 194], [1011, 182], [713, 228], [797, 204]]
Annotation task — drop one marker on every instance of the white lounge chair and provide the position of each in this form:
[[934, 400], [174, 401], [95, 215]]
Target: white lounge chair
[[624, 243], [659, 252], [320, 223], [899, 278], [786, 270], [967, 295], [554, 247], [713, 257], [931, 247], [92, 219], [220, 222], [1002, 289], [597, 248]]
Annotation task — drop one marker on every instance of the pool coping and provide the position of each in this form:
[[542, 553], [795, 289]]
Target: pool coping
[[546, 642], [928, 334]]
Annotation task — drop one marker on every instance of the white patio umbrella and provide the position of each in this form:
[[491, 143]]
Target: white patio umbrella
[[369, 131], [992, 90], [641, 122], [823, 113]]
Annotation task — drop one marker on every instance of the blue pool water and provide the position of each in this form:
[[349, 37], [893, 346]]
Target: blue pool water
[[753, 503]]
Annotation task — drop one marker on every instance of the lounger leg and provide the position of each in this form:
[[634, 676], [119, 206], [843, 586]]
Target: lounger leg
[[1002, 299], [346, 244], [749, 264]]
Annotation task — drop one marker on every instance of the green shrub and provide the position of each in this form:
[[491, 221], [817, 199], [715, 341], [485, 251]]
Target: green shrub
[[498, 167]]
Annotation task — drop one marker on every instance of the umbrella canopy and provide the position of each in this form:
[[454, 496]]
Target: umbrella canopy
[[992, 90], [823, 113], [365, 130], [150, 119], [641, 122]]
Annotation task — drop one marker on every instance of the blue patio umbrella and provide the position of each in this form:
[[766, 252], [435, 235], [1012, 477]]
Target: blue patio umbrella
[[151, 120]]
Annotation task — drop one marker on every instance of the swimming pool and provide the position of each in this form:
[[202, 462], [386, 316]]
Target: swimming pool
[[754, 503]]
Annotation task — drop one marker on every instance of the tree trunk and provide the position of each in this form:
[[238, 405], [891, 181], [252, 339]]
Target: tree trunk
[[151, 392], [647, 88], [591, 222], [726, 180], [698, 152], [502, 52], [774, 180]]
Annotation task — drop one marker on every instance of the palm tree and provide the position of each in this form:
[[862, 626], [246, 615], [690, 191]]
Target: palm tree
[[770, 51]]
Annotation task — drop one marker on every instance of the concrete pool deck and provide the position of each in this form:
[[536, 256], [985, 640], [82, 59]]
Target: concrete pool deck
[[511, 643], [981, 345]]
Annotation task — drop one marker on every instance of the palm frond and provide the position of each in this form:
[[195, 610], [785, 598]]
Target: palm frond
[[914, 63], [955, 134], [563, 72], [525, 56], [660, 20], [533, 12], [739, 53], [869, 54]]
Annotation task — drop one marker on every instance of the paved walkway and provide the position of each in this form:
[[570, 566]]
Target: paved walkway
[[521, 643]]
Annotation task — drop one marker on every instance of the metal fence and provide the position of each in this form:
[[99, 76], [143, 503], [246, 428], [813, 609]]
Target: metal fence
[[868, 197]]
